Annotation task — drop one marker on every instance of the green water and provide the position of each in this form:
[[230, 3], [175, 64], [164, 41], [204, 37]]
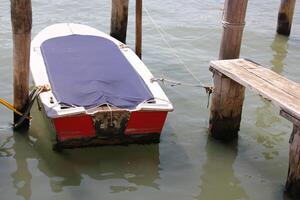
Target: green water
[[187, 164]]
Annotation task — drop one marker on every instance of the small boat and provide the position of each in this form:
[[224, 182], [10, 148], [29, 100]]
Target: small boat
[[100, 92]]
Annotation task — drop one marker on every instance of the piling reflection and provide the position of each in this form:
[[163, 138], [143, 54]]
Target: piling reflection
[[265, 117], [218, 180], [266, 120], [22, 176], [279, 48]]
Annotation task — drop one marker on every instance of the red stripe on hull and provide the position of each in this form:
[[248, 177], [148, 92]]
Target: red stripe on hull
[[74, 127], [82, 126], [142, 122]]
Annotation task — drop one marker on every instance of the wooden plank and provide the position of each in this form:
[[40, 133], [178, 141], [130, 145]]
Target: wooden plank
[[260, 83], [272, 77]]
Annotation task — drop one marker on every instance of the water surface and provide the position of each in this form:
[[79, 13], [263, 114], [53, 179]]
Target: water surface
[[187, 164]]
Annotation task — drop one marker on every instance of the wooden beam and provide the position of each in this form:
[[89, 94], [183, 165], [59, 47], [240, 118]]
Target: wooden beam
[[290, 117], [138, 28], [119, 18], [285, 17], [21, 18], [293, 178], [228, 95]]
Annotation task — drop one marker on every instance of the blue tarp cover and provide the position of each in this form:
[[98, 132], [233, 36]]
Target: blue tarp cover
[[90, 71]]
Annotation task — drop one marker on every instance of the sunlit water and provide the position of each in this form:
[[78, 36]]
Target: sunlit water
[[187, 164]]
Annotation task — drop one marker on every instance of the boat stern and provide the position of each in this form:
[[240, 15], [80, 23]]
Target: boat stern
[[117, 127]]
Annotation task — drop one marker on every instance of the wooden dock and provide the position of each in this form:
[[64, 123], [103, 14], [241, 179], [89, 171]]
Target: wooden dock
[[275, 88]]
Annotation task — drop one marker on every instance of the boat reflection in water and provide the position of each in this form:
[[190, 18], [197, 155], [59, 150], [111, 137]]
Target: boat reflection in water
[[134, 165]]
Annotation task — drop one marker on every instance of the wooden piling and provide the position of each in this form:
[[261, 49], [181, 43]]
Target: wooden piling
[[21, 18], [226, 108], [293, 179], [228, 95], [285, 17], [119, 18], [138, 27], [233, 26]]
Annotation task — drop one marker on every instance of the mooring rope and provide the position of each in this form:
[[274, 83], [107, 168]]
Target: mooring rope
[[227, 24], [208, 89], [11, 107], [233, 25], [175, 83], [32, 97], [162, 32]]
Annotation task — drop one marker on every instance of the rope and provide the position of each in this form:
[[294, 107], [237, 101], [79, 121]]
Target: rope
[[226, 24], [161, 32], [208, 89], [11, 107], [175, 83], [32, 96], [111, 115], [234, 25]]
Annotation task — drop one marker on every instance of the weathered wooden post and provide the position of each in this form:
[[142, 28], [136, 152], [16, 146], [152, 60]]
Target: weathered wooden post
[[293, 179], [228, 95], [285, 17], [119, 18], [138, 27], [21, 18]]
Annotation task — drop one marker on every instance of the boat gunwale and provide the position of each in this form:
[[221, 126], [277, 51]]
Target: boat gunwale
[[40, 77]]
